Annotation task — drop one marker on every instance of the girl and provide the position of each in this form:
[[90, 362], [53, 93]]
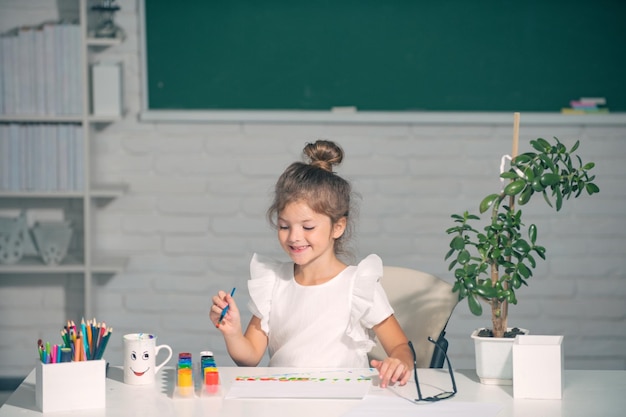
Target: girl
[[315, 311]]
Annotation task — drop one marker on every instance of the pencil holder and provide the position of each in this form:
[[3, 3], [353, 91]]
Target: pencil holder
[[70, 385]]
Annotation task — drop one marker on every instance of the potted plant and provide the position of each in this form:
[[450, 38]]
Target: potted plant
[[491, 264]]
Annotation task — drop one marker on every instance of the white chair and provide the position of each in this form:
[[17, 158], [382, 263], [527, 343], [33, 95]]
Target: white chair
[[422, 304]]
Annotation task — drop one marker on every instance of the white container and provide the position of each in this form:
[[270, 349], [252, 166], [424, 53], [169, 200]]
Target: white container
[[538, 367], [494, 359], [70, 385], [52, 240], [106, 79]]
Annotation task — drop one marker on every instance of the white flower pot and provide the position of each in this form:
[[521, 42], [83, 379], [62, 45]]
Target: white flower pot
[[494, 359]]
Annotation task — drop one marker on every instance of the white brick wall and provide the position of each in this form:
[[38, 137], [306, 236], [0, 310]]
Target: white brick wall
[[195, 214]]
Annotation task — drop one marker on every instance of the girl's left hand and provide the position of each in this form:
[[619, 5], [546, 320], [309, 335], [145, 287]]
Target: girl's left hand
[[391, 371]]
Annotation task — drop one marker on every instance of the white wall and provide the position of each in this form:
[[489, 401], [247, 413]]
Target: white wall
[[194, 214]]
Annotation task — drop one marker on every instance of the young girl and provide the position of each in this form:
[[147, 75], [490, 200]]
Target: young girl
[[315, 311]]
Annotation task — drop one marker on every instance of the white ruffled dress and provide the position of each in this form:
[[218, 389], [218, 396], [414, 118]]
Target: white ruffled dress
[[319, 326]]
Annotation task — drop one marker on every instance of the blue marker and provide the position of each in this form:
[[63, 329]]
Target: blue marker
[[225, 310]]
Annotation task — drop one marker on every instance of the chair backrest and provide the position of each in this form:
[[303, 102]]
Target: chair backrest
[[422, 304]]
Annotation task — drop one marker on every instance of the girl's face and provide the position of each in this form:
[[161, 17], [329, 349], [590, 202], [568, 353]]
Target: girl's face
[[307, 235]]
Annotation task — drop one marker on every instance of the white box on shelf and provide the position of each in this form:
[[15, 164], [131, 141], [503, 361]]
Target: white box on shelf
[[70, 385], [538, 367], [106, 85]]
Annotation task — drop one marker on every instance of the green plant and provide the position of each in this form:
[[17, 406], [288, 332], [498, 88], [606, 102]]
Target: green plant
[[491, 265]]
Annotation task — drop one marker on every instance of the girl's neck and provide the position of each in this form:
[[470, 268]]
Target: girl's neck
[[317, 273]]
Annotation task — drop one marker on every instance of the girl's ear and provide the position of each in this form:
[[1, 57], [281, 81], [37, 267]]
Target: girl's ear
[[339, 227]]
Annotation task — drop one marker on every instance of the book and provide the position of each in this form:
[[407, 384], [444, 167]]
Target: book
[[569, 110], [579, 104], [40, 71], [25, 71], [60, 69], [63, 157], [15, 151], [586, 105], [5, 157], [79, 174], [52, 152], [2, 64], [10, 55], [49, 59], [74, 91], [600, 101]]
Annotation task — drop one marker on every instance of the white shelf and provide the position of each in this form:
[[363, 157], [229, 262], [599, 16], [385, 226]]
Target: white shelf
[[70, 265], [109, 265], [33, 118], [34, 265], [105, 42], [82, 261], [103, 119], [108, 190], [42, 194], [96, 191]]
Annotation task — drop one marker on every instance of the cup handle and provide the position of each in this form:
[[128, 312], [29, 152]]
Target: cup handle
[[169, 356]]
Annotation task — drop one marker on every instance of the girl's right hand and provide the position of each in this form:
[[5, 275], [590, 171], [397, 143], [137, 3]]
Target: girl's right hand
[[231, 323]]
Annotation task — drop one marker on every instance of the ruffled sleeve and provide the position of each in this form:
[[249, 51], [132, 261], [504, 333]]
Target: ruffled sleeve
[[263, 274], [369, 302]]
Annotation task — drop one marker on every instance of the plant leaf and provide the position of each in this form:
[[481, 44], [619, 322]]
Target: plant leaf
[[474, 305], [514, 187], [486, 290], [532, 233], [464, 257], [541, 145], [458, 243], [488, 202], [525, 195], [592, 188], [559, 198], [521, 246], [549, 179], [524, 271]]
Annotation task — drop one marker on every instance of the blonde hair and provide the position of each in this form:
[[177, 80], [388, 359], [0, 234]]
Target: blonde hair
[[319, 186]]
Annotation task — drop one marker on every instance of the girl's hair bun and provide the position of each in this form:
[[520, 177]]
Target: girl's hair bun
[[323, 154]]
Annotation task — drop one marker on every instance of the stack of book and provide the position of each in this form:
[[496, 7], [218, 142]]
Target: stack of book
[[41, 157], [586, 105], [40, 71]]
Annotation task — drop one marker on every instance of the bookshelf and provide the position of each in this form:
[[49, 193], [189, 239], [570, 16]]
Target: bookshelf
[[80, 200]]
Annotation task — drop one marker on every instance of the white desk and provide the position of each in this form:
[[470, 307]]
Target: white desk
[[586, 393]]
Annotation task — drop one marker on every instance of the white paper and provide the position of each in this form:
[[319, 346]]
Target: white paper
[[320, 384]]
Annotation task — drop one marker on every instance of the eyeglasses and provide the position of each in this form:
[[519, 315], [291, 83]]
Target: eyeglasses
[[443, 395]]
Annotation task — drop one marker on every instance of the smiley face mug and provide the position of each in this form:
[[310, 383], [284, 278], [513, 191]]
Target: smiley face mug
[[140, 352]]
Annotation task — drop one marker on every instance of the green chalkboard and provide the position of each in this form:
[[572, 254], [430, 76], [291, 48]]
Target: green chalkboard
[[396, 55]]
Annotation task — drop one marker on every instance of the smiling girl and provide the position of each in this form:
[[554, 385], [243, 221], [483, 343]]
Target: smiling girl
[[315, 311]]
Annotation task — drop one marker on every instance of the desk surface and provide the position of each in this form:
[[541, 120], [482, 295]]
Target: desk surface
[[585, 393]]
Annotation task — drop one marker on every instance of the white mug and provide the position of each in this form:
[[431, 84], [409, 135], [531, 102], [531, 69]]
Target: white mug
[[140, 351]]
